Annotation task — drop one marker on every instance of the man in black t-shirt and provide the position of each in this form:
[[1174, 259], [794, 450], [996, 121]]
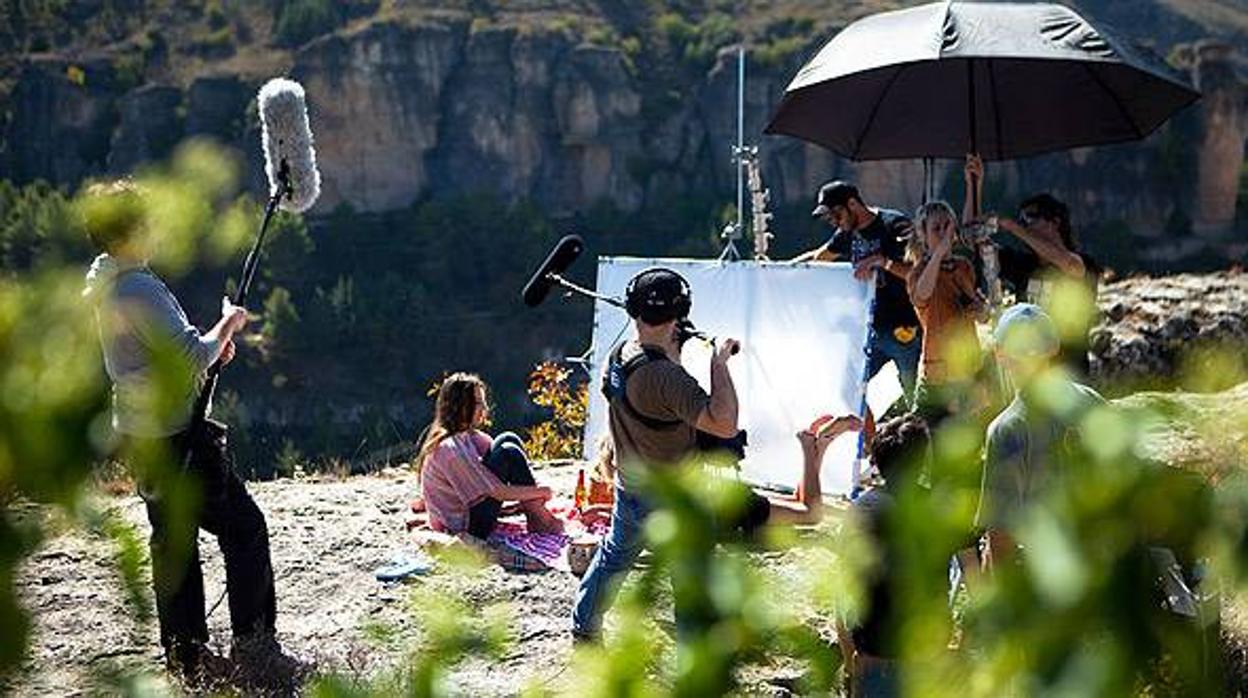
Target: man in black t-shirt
[[874, 239]]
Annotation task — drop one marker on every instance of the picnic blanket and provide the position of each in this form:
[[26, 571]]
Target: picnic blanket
[[549, 549], [516, 549]]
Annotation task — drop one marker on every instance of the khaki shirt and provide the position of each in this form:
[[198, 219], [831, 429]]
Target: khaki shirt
[[659, 390]]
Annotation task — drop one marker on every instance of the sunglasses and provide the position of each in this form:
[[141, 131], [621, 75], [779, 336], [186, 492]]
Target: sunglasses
[[1030, 217]]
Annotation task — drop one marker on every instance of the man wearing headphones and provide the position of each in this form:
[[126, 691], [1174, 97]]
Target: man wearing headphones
[[655, 411]]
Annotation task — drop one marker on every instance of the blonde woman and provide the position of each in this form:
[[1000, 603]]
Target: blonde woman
[[942, 288], [466, 475]]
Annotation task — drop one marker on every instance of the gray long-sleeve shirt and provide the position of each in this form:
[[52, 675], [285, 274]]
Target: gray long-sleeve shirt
[[150, 348]]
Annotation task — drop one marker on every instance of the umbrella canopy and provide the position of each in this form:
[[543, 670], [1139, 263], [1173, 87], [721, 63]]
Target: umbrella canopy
[[1005, 80]]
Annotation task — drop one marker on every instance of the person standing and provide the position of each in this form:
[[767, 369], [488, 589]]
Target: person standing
[[945, 297], [186, 480], [1032, 444], [655, 409], [874, 240], [1045, 255]]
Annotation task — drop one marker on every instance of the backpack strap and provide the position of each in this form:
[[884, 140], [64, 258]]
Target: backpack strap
[[615, 385]]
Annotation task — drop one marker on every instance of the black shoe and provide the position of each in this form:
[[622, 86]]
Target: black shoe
[[261, 661], [586, 640], [194, 663], [184, 656]]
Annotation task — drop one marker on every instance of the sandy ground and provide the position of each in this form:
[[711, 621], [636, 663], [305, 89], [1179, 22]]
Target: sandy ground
[[327, 537]]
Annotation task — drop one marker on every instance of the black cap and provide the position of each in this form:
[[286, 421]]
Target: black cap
[[834, 193], [658, 295]]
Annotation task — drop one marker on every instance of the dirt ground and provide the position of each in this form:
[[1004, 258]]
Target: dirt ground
[[327, 537]]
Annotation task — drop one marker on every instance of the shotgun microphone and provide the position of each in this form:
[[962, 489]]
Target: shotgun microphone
[[289, 160], [559, 259]]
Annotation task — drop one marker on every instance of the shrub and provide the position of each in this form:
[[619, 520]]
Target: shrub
[[559, 436], [300, 21]]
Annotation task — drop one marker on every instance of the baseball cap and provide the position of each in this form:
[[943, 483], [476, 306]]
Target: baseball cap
[[834, 193], [1024, 330], [658, 295]]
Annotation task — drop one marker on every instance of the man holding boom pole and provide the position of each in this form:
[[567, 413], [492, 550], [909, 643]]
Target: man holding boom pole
[[142, 325], [146, 336]]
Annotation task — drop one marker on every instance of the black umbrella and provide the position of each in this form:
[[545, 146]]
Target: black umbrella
[[1001, 79]]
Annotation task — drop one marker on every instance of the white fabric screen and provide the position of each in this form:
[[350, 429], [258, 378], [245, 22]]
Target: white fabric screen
[[803, 330]]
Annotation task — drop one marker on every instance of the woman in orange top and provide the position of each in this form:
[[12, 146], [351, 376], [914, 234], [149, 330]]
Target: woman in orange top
[[942, 288]]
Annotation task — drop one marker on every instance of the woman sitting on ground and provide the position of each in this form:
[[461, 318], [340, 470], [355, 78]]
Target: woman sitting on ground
[[466, 476], [947, 300]]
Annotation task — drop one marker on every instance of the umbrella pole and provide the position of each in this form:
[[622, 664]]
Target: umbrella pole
[[974, 139]]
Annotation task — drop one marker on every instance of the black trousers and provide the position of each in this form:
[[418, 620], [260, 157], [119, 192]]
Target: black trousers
[[207, 495], [509, 462]]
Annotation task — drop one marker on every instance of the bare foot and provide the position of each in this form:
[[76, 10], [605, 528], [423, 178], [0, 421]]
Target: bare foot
[[540, 520], [819, 423], [835, 427]]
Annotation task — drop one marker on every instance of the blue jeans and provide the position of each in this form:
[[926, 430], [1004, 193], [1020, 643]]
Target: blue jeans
[[615, 556], [877, 679], [883, 347]]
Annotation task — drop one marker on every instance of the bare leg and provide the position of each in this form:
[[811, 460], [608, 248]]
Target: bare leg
[[807, 508], [810, 492], [539, 518]]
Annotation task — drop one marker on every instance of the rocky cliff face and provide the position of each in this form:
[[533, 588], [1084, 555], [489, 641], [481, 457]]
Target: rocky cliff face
[[403, 110], [1223, 127], [1185, 330]]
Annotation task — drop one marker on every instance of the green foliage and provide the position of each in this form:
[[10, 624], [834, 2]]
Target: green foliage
[[37, 229], [215, 14], [219, 41], [783, 40], [54, 404], [696, 43], [777, 54], [289, 459], [451, 631], [300, 21], [128, 70], [281, 320], [131, 558]]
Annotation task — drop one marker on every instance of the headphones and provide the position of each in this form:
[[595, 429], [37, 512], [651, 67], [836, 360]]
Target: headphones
[[658, 295]]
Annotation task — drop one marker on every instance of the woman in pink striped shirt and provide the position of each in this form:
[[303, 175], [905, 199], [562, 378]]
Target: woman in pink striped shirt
[[465, 475]]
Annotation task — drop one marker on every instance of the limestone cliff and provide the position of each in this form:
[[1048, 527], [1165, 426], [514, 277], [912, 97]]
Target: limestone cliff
[[405, 109]]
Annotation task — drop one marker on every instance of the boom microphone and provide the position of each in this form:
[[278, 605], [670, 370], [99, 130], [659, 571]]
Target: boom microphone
[[559, 259], [289, 160]]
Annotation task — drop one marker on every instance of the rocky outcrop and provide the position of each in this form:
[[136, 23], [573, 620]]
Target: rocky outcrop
[[376, 109], [1224, 126], [441, 108], [406, 109], [149, 127], [62, 120], [1183, 330]]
